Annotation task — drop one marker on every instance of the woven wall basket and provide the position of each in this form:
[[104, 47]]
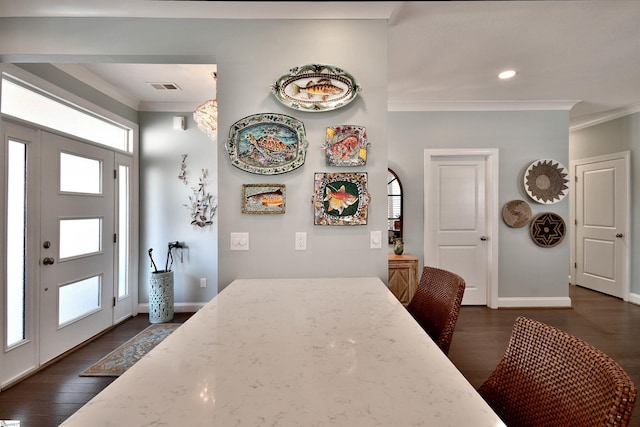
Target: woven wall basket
[[546, 181], [547, 229], [516, 213]]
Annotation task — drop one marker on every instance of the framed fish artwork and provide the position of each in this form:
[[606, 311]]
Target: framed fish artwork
[[340, 198], [263, 198], [316, 87], [267, 144], [346, 145]]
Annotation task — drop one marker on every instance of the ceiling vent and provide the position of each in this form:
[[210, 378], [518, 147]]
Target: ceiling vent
[[165, 86]]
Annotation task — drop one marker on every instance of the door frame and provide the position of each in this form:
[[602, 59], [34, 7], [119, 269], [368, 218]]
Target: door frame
[[573, 208], [492, 159]]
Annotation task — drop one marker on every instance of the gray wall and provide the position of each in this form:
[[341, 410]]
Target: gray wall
[[250, 56], [243, 82], [164, 217], [611, 137], [525, 269]]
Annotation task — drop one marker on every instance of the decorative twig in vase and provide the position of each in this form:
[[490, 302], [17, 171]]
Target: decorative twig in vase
[[169, 262]]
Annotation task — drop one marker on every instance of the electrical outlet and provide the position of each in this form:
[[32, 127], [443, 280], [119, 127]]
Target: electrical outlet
[[203, 282], [301, 241]]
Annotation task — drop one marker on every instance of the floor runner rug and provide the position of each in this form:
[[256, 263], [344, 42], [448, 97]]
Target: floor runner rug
[[122, 358]]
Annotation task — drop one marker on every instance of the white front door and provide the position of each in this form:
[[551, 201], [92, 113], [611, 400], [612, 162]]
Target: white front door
[[77, 243], [601, 261], [460, 199]]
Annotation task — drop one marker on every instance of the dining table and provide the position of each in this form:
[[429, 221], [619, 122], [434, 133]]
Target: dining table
[[293, 352]]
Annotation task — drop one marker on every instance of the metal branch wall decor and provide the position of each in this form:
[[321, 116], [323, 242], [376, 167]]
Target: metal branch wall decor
[[202, 204]]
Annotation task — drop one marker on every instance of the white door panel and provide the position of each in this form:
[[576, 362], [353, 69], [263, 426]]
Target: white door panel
[[601, 225], [456, 220], [19, 354], [125, 257], [77, 255]]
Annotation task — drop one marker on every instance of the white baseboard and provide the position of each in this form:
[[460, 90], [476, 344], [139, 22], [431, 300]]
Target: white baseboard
[[634, 298], [179, 307], [532, 302]]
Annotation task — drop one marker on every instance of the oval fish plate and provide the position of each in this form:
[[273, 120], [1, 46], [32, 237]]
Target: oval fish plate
[[316, 87], [267, 144]]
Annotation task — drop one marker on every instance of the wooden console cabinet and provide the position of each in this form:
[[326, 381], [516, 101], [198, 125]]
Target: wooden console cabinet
[[403, 276]]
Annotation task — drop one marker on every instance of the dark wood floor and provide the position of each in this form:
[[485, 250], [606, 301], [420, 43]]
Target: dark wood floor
[[50, 396]]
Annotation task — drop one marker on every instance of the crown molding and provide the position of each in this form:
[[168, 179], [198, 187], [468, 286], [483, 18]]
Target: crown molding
[[166, 107], [596, 119], [198, 9], [562, 105]]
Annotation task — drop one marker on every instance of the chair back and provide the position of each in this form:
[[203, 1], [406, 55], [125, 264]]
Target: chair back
[[549, 378], [436, 304]]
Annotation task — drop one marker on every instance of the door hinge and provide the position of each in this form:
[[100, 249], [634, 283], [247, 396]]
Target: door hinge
[[114, 301], [575, 265], [575, 178], [576, 221], [115, 238], [115, 174]]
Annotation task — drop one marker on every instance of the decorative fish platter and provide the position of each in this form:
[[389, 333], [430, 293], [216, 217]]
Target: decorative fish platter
[[267, 144], [340, 198], [346, 145], [316, 87]]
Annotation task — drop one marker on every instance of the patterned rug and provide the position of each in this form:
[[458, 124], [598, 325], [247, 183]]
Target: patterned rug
[[122, 358]]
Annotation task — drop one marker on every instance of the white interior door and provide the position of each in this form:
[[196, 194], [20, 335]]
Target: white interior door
[[601, 261], [77, 248], [458, 198]]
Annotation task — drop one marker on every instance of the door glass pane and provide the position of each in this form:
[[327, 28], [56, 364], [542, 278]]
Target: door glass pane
[[123, 231], [16, 237], [80, 174], [27, 103], [78, 299], [80, 237]]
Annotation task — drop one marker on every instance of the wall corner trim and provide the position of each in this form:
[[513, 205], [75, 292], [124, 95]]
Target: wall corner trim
[[533, 302], [634, 298], [179, 307]]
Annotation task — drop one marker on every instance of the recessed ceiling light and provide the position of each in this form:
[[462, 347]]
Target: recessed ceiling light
[[507, 74]]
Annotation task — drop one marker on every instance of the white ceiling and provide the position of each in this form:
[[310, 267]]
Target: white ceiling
[[443, 55]]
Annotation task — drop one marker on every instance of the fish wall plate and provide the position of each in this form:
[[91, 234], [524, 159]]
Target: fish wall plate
[[346, 145], [263, 198], [340, 198], [267, 144], [316, 87], [545, 181]]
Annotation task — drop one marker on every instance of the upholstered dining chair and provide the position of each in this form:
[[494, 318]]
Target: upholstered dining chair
[[549, 378], [436, 304]]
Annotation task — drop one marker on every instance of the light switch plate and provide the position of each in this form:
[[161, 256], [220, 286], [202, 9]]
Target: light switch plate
[[375, 241], [239, 242]]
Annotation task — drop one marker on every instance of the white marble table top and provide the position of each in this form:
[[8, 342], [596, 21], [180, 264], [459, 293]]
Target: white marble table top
[[293, 352]]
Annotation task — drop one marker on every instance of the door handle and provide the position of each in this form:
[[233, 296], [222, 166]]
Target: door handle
[[484, 238], [619, 235], [47, 261]]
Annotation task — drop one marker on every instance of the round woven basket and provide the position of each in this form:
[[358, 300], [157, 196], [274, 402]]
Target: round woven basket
[[545, 181], [516, 213]]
